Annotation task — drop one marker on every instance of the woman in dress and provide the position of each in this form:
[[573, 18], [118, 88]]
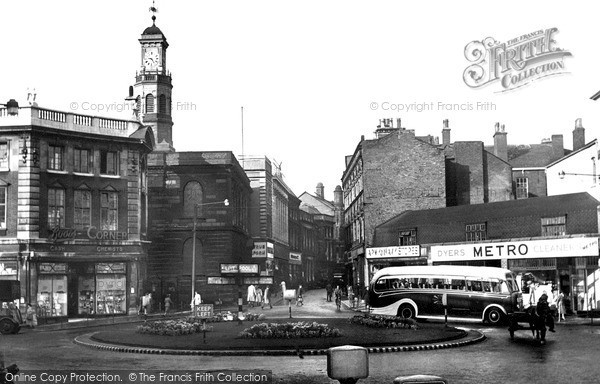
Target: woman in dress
[[560, 305]]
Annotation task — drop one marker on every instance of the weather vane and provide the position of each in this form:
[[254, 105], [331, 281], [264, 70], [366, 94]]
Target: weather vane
[[153, 9]]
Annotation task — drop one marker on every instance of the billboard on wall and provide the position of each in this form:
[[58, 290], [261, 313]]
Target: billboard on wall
[[263, 249], [568, 247]]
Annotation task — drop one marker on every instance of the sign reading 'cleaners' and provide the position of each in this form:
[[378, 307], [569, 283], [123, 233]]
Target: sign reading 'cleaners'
[[573, 247]]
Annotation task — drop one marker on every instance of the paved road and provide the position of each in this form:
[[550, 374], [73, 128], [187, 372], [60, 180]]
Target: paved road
[[569, 357]]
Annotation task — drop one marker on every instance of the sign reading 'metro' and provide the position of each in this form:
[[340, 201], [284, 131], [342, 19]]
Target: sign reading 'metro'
[[572, 247]]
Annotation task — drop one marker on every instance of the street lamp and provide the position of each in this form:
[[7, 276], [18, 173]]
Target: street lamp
[[225, 203], [562, 174], [12, 107]]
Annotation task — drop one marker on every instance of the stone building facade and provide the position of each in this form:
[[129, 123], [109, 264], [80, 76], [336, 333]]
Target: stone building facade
[[74, 197]]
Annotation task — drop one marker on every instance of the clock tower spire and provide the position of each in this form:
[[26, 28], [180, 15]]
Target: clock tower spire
[[151, 93]]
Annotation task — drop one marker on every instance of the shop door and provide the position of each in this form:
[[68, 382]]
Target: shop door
[[72, 296]]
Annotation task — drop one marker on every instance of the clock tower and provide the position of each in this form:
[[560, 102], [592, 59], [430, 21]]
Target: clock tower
[[150, 96]]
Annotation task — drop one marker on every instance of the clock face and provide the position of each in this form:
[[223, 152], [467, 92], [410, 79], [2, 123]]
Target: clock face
[[151, 58]]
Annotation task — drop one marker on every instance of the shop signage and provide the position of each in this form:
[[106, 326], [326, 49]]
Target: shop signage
[[570, 247], [295, 258], [220, 280], [234, 269], [393, 252], [58, 234], [110, 268], [258, 280], [53, 268]]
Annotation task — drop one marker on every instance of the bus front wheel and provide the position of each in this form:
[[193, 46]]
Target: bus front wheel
[[494, 316], [406, 311]]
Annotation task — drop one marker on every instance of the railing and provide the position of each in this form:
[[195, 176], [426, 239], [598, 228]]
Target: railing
[[112, 123], [32, 115], [46, 114], [153, 77], [82, 120]]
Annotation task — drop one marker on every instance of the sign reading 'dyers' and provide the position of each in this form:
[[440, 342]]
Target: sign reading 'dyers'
[[573, 247]]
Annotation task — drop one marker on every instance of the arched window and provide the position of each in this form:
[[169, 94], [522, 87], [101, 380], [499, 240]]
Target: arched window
[[192, 195], [169, 110], [149, 103], [187, 257], [162, 104]]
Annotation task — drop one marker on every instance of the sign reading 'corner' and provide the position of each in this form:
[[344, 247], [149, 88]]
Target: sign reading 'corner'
[[574, 247]]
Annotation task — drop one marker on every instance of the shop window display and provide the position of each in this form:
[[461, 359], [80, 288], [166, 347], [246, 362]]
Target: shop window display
[[110, 294], [52, 296]]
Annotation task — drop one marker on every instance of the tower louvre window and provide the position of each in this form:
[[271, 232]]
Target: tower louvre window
[[162, 104], [149, 103]]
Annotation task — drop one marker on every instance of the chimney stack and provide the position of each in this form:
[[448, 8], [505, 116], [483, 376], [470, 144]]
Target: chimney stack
[[338, 197], [558, 147], [446, 133], [320, 190], [500, 143], [578, 135]]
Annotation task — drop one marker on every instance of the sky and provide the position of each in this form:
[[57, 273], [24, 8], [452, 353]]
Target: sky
[[311, 76]]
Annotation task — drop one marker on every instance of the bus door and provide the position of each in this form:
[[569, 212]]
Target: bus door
[[477, 300], [458, 298]]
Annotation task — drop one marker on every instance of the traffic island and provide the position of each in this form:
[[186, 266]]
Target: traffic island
[[224, 338]]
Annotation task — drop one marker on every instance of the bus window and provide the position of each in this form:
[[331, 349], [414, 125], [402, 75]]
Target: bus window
[[487, 286], [438, 283], [382, 285], [458, 284], [396, 284], [495, 285]]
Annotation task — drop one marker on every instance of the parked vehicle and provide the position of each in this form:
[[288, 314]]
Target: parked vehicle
[[10, 317]]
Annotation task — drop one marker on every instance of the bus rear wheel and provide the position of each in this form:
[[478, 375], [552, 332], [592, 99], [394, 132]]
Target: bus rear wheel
[[494, 316], [406, 311]]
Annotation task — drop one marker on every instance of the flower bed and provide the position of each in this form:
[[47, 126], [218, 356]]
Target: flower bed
[[380, 321], [191, 324], [289, 331], [172, 327]]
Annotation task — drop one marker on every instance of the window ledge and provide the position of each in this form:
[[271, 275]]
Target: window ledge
[[111, 176], [57, 171], [83, 174]]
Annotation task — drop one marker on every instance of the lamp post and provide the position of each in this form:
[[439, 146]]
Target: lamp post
[[225, 203], [12, 107]]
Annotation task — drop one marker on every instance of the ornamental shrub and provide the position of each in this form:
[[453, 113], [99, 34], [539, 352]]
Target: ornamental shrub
[[381, 321], [289, 331]]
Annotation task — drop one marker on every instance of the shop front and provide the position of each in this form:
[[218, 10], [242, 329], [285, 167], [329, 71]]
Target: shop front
[[567, 264], [71, 280], [395, 256]]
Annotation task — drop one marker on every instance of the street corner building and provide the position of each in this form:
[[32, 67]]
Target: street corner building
[[73, 200]]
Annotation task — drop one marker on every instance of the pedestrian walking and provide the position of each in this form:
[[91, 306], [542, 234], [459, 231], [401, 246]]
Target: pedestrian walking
[[329, 290], [543, 311], [560, 306], [251, 296], [259, 296], [196, 301], [338, 297], [267, 298], [299, 298], [31, 316], [168, 303], [146, 302]]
